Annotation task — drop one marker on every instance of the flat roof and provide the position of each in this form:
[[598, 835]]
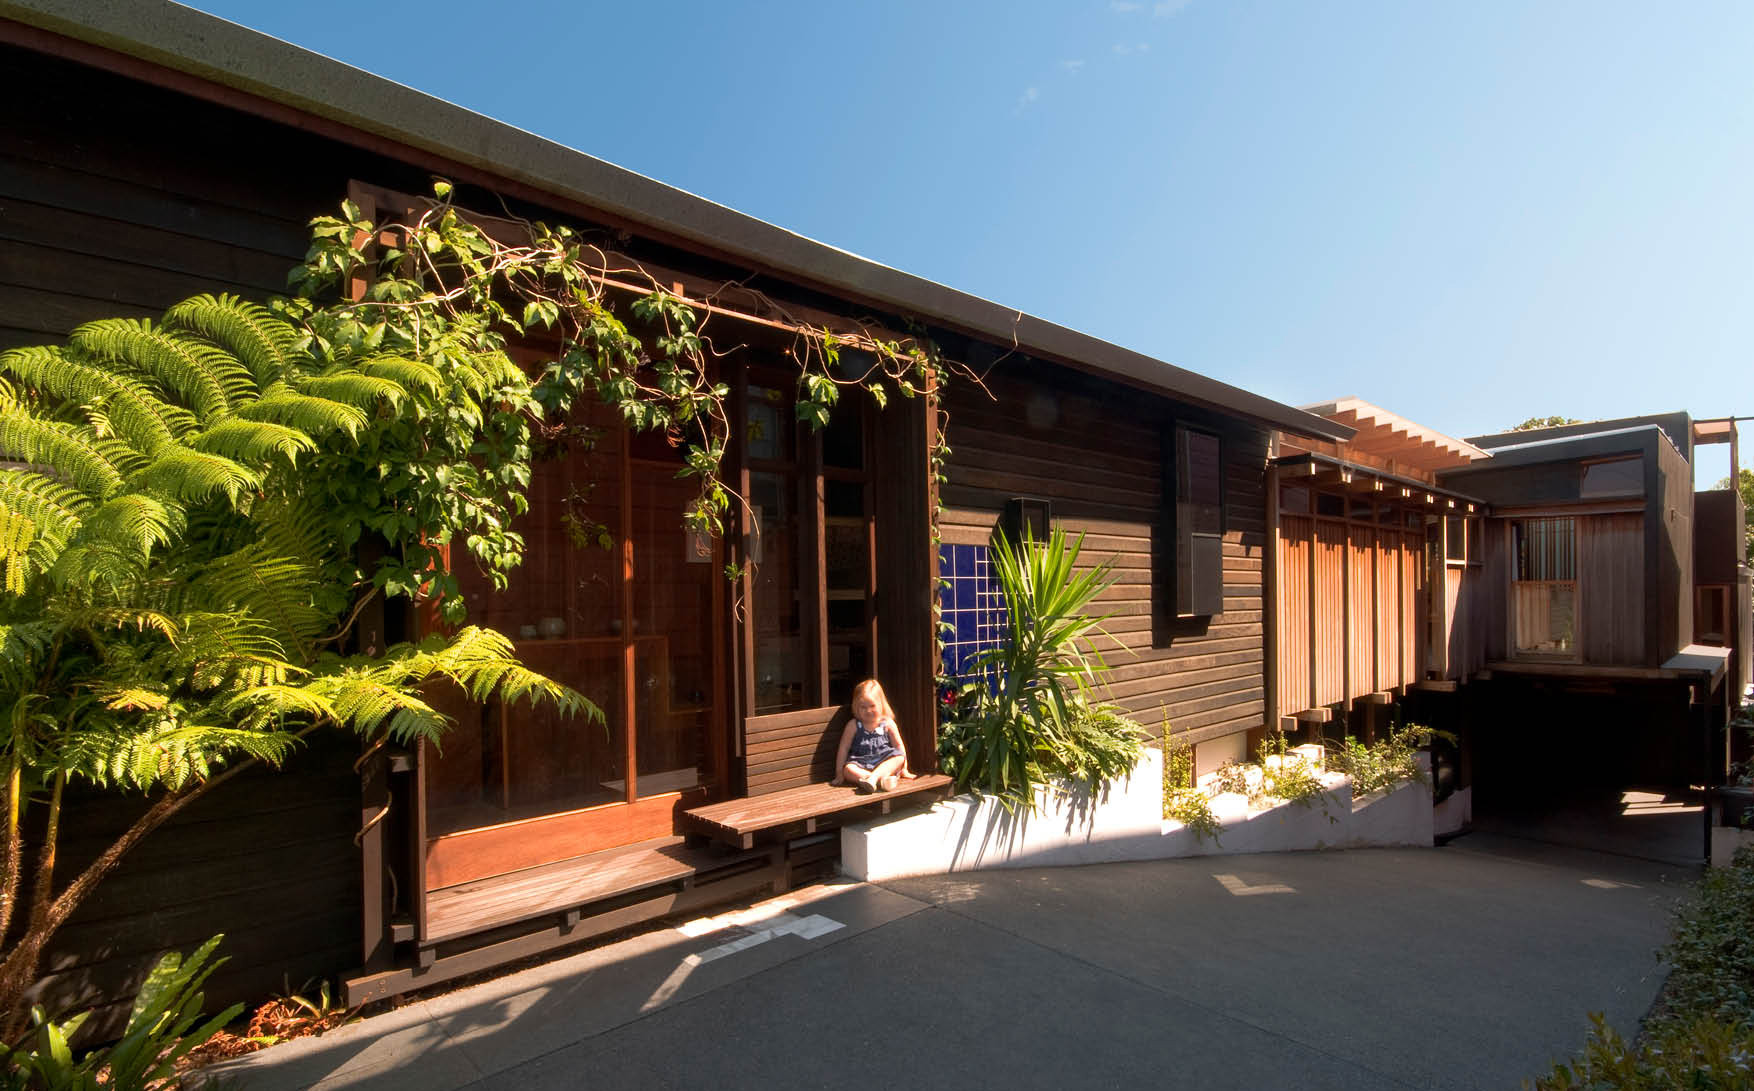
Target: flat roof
[[1561, 448], [194, 43]]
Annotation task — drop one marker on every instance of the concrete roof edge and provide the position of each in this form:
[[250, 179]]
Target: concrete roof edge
[[198, 44]]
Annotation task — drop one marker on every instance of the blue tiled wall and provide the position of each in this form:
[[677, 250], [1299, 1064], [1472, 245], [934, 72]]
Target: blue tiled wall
[[972, 608]]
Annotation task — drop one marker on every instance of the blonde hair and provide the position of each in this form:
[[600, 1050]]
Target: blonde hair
[[874, 689]]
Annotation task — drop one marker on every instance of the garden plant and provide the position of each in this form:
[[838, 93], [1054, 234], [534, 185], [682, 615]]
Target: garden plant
[[1033, 715]]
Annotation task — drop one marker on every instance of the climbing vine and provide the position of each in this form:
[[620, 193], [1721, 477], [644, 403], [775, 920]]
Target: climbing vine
[[455, 289]]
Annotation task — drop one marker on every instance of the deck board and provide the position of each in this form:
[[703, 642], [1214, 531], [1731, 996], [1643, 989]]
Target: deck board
[[481, 904]]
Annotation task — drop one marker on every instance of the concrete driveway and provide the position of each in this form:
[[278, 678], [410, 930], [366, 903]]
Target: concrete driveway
[[1472, 965]]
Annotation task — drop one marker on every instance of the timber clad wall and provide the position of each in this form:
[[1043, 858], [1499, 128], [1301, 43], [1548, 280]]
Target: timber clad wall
[[117, 200], [1669, 533], [1096, 450], [268, 859]]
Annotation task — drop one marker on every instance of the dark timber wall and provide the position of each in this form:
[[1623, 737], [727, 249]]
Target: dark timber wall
[[1096, 450], [267, 858], [117, 200]]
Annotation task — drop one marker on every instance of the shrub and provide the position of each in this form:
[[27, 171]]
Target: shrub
[[1705, 1054], [1387, 762], [1290, 778], [1712, 949], [1183, 800]]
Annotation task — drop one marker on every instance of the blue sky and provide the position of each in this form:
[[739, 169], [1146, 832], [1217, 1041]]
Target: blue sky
[[1470, 213]]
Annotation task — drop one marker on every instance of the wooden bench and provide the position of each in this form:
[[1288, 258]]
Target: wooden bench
[[789, 759]]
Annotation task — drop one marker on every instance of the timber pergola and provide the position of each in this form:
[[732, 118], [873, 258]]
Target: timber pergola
[[1331, 471]]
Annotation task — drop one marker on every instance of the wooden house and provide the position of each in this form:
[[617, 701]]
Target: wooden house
[[154, 152], [1506, 583]]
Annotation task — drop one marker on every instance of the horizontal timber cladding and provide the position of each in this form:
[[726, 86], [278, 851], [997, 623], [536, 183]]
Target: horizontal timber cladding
[[1096, 451], [267, 858], [118, 199]]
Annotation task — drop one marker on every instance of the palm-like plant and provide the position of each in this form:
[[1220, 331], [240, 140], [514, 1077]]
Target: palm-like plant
[[174, 596], [1035, 717]]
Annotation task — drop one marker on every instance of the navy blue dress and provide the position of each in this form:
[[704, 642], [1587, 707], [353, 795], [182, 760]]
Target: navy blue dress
[[871, 748]]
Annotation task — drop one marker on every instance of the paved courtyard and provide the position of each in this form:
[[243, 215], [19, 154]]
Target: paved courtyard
[[1466, 966]]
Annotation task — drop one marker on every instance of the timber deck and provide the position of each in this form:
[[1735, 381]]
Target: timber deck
[[544, 891]]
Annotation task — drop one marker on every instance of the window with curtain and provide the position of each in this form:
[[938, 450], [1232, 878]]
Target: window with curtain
[[1543, 593]]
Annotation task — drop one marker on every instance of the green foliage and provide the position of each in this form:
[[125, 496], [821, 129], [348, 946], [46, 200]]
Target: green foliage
[[1288, 776], [1037, 720], [180, 567], [1534, 423], [446, 296], [1711, 951], [1389, 761], [1183, 799], [1705, 1054], [1101, 743], [181, 561], [164, 1024]]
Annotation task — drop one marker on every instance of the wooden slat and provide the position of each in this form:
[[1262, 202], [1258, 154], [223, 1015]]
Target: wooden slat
[[738, 821], [542, 891]]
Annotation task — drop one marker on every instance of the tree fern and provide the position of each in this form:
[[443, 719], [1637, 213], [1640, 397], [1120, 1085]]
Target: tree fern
[[280, 404], [80, 460], [253, 442], [137, 414], [209, 380], [261, 341]]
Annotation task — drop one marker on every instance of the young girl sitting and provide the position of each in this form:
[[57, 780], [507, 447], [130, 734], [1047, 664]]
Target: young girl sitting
[[872, 756]]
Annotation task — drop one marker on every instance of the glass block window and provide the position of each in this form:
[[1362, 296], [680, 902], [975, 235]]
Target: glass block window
[[972, 609]]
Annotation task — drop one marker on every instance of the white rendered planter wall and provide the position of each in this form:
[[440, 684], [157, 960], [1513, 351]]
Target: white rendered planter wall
[[1124, 822]]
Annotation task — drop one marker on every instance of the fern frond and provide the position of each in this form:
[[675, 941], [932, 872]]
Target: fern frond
[[262, 341], [118, 750], [483, 663], [217, 650], [276, 589], [76, 458], [132, 409], [24, 646], [370, 706], [131, 523], [353, 388], [315, 416], [261, 707], [208, 379], [53, 510], [252, 442], [191, 476], [411, 375]]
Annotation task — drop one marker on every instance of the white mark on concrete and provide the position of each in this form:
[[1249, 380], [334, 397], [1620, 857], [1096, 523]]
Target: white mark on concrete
[[778, 923], [1608, 884], [1236, 886], [767, 910]]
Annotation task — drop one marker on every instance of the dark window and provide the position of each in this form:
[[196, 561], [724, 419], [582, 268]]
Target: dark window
[[1619, 477], [1197, 468], [1329, 504], [1455, 547], [1476, 541], [1294, 500]]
